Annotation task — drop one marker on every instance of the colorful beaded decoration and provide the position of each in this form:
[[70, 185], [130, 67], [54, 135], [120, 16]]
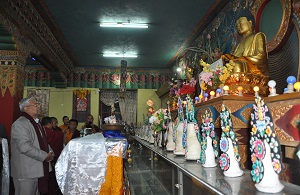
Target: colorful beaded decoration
[[263, 130], [207, 129]]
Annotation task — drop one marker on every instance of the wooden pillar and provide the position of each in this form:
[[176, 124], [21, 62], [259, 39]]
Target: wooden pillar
[[12, 75]]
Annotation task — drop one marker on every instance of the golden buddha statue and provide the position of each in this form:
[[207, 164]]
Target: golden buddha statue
[[250, 59]]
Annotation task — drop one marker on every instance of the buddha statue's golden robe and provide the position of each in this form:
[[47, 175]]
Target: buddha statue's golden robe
[[250, 56], [250, 60]]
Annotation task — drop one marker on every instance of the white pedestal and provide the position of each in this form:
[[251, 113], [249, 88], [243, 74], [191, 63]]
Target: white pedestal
[[210, 160], [170, 144], [234, 169], [270, 182], [193, 147], [179, 150]]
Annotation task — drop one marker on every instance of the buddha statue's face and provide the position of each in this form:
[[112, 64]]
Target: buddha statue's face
[[243, 25]]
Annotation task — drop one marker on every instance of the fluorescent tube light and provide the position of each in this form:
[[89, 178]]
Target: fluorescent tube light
[[123, 25], [118, 55]]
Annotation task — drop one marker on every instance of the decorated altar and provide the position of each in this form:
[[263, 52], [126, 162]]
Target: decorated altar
[[285, 114]]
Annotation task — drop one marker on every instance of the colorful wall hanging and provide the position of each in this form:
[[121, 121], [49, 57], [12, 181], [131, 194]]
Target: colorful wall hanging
[[81, 104]]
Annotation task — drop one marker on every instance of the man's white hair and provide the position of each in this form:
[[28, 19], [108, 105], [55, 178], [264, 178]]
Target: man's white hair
[[25, 102]]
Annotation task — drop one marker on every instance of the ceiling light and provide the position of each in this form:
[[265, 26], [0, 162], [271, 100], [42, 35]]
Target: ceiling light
[[123, 25], [118, 55]]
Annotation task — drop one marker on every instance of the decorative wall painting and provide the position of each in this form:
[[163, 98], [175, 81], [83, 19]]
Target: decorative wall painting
[[81, 104], [42, 97]]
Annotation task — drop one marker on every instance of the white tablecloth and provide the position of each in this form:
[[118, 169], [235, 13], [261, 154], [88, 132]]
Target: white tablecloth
[[81, 167]]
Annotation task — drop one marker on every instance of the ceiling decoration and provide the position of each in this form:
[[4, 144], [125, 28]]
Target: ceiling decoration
[[67, 34]]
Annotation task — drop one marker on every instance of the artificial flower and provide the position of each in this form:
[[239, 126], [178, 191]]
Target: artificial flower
[[257, 171], [158, 119]]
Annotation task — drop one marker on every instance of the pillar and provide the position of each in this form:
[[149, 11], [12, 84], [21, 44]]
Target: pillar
[[12, 75]]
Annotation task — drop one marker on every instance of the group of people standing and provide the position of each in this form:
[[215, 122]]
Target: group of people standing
[[36, 146]]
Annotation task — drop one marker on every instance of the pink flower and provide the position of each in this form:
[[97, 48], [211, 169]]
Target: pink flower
[[276, 165], [206, 76]]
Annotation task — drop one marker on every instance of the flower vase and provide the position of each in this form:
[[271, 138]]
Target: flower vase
[[179, 150], [233, 168], [148, 135], [155, 138], [151, 138], [210, 160], [170, 143], [193, 147], [142, 132], [159, 138], [163, 138]]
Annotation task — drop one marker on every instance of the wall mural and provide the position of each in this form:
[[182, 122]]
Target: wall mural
[[81, 104], [103, 78], [42, 97]]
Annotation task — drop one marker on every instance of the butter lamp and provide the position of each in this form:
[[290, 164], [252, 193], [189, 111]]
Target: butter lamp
[[290, 84], [212, 94], [200, 97], [256, 89], [297, 86], [240, 90], [272, 88], [226, 88], [205, 96], [218, 94]]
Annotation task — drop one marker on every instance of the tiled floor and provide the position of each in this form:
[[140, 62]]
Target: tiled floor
[[146, 177]]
